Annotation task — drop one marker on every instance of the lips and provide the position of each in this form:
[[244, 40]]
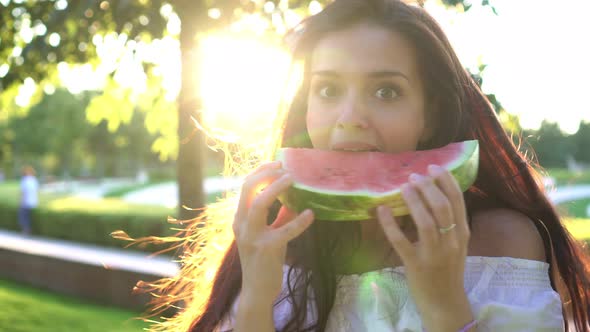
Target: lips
[[354, 146]]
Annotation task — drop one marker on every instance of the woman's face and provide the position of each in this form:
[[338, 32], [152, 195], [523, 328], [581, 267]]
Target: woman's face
[[365, 92]]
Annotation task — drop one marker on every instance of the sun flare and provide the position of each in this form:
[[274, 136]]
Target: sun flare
[[243, 82]]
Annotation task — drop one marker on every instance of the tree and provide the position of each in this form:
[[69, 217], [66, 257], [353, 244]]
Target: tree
[[551, 145], [55, 136], [45, 33], [54, 126], [582, 142]]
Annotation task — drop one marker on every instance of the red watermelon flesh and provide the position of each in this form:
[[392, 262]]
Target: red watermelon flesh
[[338, 184], [363, 171]]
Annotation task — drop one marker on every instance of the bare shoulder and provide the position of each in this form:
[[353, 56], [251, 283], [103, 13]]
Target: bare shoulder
[[505, 233]]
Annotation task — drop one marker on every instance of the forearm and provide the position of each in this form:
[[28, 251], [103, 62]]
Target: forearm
[[449, 318], [254, 315]]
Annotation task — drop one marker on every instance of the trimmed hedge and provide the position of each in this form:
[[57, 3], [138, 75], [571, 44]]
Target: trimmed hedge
[[90, 221]]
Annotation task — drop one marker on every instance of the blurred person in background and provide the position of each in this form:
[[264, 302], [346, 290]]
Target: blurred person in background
[[29, 198]]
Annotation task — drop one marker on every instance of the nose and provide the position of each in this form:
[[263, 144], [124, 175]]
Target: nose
[[352, 115]]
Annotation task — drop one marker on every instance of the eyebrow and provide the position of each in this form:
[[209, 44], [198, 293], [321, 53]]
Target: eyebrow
[[376, 74]]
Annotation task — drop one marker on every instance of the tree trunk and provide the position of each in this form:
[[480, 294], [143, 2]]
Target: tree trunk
[[190, 164]]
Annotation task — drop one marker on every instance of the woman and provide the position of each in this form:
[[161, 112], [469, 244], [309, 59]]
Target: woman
[[381, 75]]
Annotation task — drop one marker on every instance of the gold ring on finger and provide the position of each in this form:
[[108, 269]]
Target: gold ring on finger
[[444, 230]]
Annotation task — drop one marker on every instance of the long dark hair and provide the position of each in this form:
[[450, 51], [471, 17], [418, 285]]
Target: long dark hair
[[462, 112]]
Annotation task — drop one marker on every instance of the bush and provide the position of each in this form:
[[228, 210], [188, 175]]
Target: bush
[[9, 217], [92, 222]]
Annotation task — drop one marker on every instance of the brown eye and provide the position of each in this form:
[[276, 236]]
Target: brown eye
[[329, 91], [387, 93]]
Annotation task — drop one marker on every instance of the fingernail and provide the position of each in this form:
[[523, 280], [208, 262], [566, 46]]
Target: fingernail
[[414, 177], [286, 177], [434, 169]]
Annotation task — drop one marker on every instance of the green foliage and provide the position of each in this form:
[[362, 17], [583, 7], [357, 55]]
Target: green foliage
[[26, 309], [56, 124], [577, 208], [114, 105], [582, 143], [466, 5], [509, 121], [93, 222], [553, 149], [9, 193], [65, 34], [478, 78], [55, 135], [8, 103], [86, 221], [551, 146], [564, 177]]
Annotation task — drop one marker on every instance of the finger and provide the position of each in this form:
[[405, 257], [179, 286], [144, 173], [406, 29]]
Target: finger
[[427, 231], [394, 234], [438, 204], [258, 211], [449, 186], [251, 185], [399, 210], [276, 165], [284, 216], [295, 227], [265, 166]]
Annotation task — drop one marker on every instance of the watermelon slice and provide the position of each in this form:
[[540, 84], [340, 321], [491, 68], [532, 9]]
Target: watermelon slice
[[344, 185]]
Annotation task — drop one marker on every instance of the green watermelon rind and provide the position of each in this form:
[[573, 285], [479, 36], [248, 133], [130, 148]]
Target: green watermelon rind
[[360, 205]]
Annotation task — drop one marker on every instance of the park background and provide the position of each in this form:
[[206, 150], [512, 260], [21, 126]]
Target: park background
[[99, 97]]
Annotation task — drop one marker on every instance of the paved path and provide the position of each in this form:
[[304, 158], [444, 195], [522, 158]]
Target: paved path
[[121, 259], [569, 193], [90, 189], [166, 194]]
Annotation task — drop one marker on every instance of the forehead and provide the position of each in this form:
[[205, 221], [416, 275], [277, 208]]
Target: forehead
[[364, 48]]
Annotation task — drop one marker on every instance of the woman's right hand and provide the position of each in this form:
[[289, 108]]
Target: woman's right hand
[[262, 247]]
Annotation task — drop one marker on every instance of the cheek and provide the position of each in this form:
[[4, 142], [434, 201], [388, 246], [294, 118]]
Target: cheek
[[319, 127], [400, 134]]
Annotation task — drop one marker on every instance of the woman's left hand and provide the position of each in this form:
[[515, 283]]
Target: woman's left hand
[[435, 264]]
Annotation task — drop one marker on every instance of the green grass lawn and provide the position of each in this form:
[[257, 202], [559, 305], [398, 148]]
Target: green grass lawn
[[10, 194], [577, 208], [580, 228], [27, 309], [124, 190], [565, 177]]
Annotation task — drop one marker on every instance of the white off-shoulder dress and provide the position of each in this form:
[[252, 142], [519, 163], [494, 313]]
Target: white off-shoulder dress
[[506, 294]]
